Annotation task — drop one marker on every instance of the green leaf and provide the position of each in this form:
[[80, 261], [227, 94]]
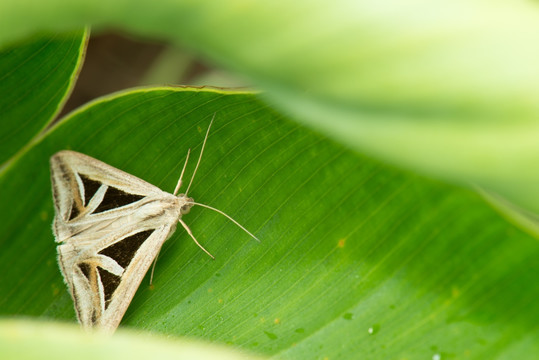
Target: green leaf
[[36, 78], [448, 87], [356, 258], [22, 340]]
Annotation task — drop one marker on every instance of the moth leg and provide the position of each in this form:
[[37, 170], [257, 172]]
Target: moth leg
[[153, 266], [193, 237]]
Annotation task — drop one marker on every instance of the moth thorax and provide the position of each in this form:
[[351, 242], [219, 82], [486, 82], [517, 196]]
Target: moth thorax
[[186, 203]]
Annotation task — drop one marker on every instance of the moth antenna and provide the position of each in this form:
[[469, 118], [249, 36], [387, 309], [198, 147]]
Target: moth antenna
[[153, 266], [193, 237], [200, 157], [227, 216], [179, 184]]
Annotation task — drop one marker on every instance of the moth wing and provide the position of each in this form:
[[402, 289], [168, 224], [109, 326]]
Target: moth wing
[[77, 179], [103, 285], [111, 226]]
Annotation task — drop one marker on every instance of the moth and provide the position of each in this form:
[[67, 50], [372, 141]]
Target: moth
[[110, 227]]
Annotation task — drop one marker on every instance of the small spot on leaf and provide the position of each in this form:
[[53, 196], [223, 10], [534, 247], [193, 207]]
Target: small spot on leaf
[[374, 329], [272, 336]]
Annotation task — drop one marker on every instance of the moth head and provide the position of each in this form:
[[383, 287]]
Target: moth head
[[188, 204]]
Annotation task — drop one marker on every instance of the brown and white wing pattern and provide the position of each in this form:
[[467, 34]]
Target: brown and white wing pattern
[[103, 283], [110, 226]]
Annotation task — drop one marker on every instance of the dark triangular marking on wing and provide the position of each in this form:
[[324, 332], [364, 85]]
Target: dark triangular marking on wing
[[115, 198], [74, 211], [90, 188], [110, 284], [124, 250], [85, 268]]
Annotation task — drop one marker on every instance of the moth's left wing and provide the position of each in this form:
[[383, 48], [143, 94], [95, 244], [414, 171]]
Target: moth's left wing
[[104, 284]]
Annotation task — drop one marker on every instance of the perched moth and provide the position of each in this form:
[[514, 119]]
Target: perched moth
[[111, 226]]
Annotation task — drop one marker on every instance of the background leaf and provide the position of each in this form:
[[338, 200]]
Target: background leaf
[[448, 88], [355, 258], [31, 340], [36, 78]]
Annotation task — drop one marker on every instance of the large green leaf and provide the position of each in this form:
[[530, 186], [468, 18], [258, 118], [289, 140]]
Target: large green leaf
[[356, 258], [446, 87], [35, 79]]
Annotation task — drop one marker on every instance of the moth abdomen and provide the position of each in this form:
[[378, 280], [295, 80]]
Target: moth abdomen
[[151, 217]]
